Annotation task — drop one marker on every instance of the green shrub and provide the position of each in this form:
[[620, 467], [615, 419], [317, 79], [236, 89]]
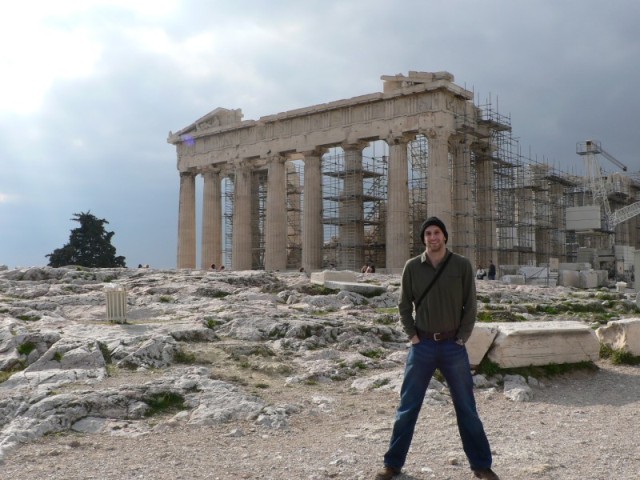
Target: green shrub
[[618, 357], [28, 318], [374, 354], [106, 354], [212, 322], [165, 299], [182, 356], [163, 402], [57, 356], [390, 319], [489, 368], [26, 348]]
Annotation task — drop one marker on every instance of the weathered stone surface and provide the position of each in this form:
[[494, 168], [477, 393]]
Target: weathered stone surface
[[513, 279], [237, 324], [569, 278], [320, 278], [588, 279], [621, 335], [480, 341], [542, 343], [361, 288], [517, 389]]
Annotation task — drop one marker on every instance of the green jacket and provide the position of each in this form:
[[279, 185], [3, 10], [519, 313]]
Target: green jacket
[[449, 305]]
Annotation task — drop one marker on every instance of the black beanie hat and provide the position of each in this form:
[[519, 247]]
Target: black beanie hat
[[438, 223]]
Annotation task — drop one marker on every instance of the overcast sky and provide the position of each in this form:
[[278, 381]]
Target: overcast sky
[[89, 90]]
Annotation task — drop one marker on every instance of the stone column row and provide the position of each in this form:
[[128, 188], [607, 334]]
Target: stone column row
[[351, 216]]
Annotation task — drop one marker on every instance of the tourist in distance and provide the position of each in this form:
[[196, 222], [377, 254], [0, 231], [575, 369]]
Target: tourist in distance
[[480, 273], [444, 319], [492, 270]]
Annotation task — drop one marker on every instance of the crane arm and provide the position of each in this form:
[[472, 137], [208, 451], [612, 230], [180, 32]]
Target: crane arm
[[593, 147], [612, 159]]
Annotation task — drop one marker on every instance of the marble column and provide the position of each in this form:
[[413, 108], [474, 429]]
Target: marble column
[[486, 239], [312, 226], [463, 212], [397, 216], [558, 238], [526, 226], [351, 233], [275, 255], [241, 247], [439, 179], [187, 221], [211, 220]]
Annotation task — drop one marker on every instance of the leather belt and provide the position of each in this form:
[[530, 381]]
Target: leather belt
[[436, 336]]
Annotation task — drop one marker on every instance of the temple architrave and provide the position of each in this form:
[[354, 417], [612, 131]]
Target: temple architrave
[[429, 106]]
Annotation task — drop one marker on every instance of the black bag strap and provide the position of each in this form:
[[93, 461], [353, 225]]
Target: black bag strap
[[417, 303]]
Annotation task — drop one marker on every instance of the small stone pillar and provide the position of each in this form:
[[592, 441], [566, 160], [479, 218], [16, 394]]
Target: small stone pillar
[[116, 296]]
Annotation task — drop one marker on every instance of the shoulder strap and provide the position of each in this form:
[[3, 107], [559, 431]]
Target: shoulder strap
[[426, 290]]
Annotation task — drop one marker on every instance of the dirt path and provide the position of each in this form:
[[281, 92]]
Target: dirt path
[[582, 425]]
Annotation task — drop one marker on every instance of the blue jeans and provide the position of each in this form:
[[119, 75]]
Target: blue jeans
[[453, 362]]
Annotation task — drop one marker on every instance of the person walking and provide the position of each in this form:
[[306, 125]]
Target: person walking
[[443, 322]]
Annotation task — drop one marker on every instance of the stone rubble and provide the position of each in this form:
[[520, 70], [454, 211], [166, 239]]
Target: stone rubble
[[57, 348]]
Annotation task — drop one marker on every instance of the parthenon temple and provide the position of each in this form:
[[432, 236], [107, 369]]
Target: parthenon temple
[[348, 183]]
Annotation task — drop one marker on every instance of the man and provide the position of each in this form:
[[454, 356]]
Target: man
[[443, 322], [492, 270]]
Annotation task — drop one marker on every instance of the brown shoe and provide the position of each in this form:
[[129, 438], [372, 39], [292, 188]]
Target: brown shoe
[[387, 473], [486, 473]]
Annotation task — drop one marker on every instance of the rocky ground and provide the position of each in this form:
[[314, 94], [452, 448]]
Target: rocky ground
[[282, 381]]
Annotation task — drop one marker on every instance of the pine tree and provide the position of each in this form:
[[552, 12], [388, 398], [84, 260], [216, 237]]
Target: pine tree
[[89, 245]]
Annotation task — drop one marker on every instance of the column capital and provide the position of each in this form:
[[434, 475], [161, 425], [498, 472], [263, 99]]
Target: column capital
[[438, 134], [316, 152], [211, 169], [461, 139], [360, 145], [188, 173], [274, 158], [240, 163], [395, 139]]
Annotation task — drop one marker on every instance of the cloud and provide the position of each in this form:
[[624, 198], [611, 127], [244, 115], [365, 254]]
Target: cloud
[[92, 88]]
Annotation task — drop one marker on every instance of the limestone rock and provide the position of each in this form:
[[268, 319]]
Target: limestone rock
[[541, 343], [621, 335], [480, 341]]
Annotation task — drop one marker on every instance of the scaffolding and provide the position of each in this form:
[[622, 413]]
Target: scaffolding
[[507, 207], [418, 154], [354, 195], [227, 222], [295, 172]]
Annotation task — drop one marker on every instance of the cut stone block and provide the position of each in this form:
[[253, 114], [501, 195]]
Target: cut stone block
[[588, 279], [361, 288], [513, 279], [569, 278], [621, 335], [543, 343], [480, 341], [320, 278]]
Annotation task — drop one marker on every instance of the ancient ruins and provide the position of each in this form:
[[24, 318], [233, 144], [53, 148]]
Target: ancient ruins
[[347, 183]]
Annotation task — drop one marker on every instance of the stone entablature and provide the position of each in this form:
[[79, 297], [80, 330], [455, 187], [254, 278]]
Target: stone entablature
[[410, 105]]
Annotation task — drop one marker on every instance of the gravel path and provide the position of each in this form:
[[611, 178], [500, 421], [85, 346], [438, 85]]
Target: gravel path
[[581, 425]]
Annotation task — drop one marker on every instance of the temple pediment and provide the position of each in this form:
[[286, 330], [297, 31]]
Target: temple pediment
[[218, 118]]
